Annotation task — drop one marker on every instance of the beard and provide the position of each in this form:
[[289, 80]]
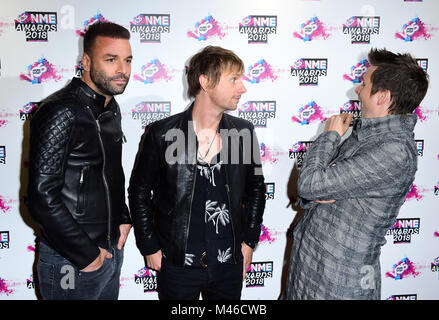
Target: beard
[[103, 83]]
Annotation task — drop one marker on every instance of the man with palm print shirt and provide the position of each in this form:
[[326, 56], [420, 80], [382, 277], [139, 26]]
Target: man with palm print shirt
[[197, 221]]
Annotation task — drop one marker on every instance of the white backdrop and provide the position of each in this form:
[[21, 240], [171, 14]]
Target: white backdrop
[[303, 60]]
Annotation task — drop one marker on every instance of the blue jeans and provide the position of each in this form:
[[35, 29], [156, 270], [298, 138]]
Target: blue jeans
[[59, 279]]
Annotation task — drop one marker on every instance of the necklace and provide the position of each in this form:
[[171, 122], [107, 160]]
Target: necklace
[[199, 155]]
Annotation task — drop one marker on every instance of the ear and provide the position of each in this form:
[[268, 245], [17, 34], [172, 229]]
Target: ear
[[204, 82], [384, 98], [86, 62]]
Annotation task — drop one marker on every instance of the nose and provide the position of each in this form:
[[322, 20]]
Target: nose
[[357, 90], [242, 88], [123, 67]]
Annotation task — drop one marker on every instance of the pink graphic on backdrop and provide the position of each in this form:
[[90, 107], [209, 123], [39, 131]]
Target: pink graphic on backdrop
[[413, 30], [267, 155], [31, 248], [3, 206], [87, 23], [418, 111], [152, 72], [311, 30], [414, 193], [5, 25], [3, 123], [436, 234], [28, 108], [357, 71], [403, 269], [260, 71], [266, 235], [4, 288], [205, 29], [24, 18], [40, 71], [309, 113]]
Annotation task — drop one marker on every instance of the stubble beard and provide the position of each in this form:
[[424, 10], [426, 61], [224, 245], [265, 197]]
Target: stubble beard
[[103, 83]]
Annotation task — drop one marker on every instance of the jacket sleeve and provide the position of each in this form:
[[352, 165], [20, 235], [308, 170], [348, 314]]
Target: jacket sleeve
[[379, 171], [255, 191], [142, 184], [50, 136]]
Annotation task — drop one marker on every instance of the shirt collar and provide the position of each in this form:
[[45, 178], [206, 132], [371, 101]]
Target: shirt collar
[[366, 127]]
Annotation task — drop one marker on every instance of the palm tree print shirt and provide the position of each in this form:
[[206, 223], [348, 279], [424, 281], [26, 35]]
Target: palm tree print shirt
[[210, 228]]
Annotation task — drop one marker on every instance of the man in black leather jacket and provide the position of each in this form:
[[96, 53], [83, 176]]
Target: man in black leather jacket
[[197, 193], [76, 190]]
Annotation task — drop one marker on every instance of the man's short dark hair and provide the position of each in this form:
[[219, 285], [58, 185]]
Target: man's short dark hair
[[103, 29], [402, 76], [211, 61]]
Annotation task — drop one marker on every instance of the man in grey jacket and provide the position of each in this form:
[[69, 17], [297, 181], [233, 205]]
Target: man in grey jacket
[[352, 192]]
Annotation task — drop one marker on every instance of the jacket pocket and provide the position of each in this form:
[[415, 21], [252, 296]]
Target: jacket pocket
[[82, 194]]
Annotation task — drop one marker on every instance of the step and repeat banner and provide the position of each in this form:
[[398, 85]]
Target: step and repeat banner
[[303, 60]]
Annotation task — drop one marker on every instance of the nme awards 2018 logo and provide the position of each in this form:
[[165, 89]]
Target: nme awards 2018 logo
[[435, 265], [353, 107], [30, 282], [257, 272], [258, 112], [403, 230], [148, 278], [361, 27], [269, 190], [311, 30], [298, 152], [420, 147], [403, 297], [205, 29], [423, 63], [36, 25], [4, 240], [2, 155], [151, 26], [309, 70], [258, 28], [150, 111], [27, 110]]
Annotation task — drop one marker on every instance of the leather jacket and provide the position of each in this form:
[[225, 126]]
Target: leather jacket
[[162, 185], [76, 190]]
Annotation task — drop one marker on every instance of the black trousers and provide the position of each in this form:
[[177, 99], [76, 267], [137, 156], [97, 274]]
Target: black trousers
[[217, 282]]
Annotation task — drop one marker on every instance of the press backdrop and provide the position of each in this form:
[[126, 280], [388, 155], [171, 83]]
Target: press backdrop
[[303, 60]]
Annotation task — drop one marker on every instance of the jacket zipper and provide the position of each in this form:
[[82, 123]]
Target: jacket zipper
[[231, 214], [107, 189], [81, 196], [190, 209]]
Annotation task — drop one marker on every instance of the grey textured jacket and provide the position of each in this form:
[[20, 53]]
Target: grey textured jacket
[[337, 246]]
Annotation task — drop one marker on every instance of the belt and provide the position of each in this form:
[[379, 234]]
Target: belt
[[203, 259]]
